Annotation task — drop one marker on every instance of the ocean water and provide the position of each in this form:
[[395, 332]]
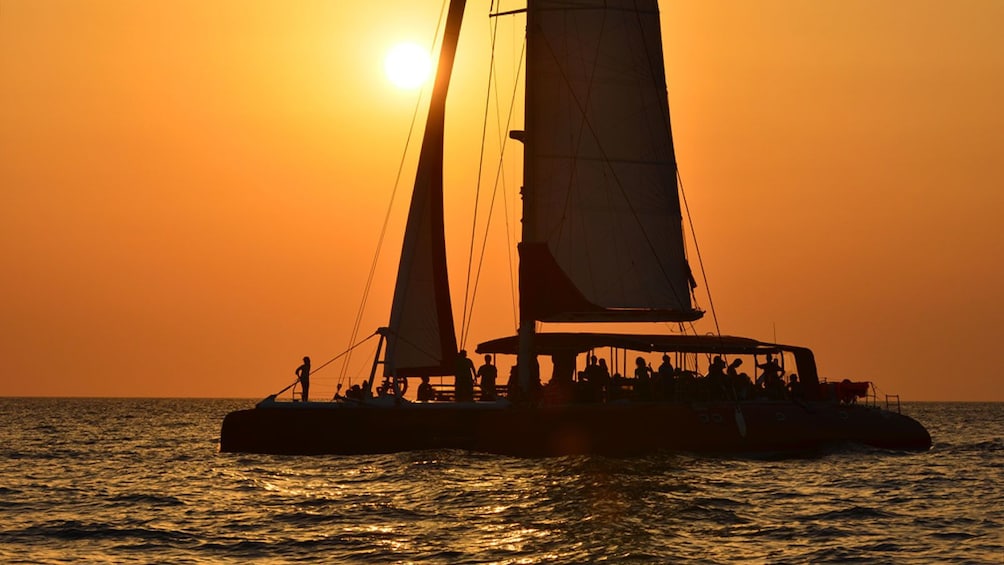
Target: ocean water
[[142, 481]]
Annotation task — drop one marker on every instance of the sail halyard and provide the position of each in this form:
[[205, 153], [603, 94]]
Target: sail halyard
[[602, 225], [421, 337]]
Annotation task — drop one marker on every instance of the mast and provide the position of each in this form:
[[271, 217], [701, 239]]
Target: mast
[[526, 355], [422, 338]]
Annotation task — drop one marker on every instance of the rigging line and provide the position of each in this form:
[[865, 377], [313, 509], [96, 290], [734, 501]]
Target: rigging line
[[380, 239], [417, 347], [328, 362], [470, 290], [510, 242], [503, 140], [617, 180], [468, 302], [510, 238], [505, 202], [697, 248], [491, 207], [346, 352], [390, 207]]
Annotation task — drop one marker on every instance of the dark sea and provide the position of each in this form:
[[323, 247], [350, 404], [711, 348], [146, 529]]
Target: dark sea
[[142, 481]]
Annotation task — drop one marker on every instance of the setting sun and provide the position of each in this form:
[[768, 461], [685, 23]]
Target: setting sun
[[407, 65]]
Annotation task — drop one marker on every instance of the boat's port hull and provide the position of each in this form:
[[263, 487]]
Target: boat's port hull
[[608, 429]]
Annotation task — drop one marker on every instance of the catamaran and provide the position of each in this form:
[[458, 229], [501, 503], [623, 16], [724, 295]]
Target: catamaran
[[602, 242]]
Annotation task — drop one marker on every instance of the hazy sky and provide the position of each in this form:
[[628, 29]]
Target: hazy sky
[[191, 192]]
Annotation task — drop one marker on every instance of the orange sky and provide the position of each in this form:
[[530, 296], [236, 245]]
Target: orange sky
[[192, 191]]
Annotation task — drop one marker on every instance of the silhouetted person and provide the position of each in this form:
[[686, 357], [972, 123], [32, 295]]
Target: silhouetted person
[[717, 367], [591, 381], [589, 373], [561, 388], [393, 386], [770, 380], [488, 373], [666, 368], [771, 372], [303, 373], [463, 375], [603, 372], [794, 387], [741, 384], [641, 371], [662, 379], [603, 378], [425, 390], [643, 378], [716, 377]]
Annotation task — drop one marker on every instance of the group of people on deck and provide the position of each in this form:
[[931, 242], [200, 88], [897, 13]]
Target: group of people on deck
[[723, 381], [465, 378]]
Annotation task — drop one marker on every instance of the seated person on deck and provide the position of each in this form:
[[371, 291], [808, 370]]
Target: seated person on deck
[[643, 379], [795, 387], [425, 390]]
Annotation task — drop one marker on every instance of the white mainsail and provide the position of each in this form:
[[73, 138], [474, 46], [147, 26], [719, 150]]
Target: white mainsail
[[602, 234]]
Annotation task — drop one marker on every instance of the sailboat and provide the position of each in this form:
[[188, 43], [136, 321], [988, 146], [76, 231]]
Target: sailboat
[[602, 242]]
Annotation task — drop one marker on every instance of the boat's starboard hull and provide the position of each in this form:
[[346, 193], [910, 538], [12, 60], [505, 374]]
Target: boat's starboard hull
[[605, 429]]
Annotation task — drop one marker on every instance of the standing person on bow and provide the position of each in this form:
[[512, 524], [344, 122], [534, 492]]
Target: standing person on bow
[[303, 373]]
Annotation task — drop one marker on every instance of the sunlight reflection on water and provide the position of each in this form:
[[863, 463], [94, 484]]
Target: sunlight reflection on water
[[140, 480]]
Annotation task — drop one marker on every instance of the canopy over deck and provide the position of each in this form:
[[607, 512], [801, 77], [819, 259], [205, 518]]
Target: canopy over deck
[[552, 343]]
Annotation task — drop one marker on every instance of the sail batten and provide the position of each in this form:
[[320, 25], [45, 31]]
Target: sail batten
[[602, 235]]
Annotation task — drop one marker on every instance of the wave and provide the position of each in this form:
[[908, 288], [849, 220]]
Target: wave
[[75, 530], [148, 499], [852, 513]]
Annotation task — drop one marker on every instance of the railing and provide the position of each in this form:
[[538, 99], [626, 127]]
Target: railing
[[888, 401], [872, 398], [446, 392]]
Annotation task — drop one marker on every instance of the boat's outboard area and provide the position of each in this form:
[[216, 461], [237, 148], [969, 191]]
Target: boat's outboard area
[[694, 400]]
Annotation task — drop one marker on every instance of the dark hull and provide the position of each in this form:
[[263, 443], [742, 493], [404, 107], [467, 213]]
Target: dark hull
[[606, 429]]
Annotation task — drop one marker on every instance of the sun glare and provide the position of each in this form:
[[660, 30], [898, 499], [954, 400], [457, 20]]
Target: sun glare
[[407, 65]]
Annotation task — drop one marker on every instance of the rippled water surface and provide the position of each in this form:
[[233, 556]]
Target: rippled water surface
[[85, 480]]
